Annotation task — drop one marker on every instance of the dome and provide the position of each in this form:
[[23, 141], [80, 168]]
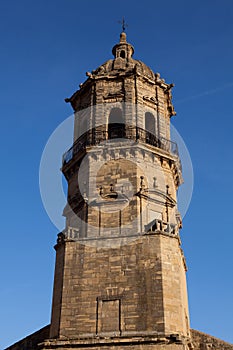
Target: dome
[[123, 62]]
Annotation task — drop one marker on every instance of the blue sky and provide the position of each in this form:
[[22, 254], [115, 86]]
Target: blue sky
[[46, 48]]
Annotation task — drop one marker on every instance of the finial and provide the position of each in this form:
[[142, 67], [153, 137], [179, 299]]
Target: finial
[[123, 37], [123, 24], [123, 49]]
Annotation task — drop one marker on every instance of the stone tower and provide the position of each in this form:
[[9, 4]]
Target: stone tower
[[120, 270]]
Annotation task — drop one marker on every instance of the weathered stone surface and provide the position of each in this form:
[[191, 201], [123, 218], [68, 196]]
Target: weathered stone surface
[[143, 278], [120, 269], [202, 341]]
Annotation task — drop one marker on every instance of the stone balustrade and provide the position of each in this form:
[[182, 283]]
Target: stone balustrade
[[158, 225]]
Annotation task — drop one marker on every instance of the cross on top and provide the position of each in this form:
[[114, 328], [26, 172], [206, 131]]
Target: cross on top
[[123, 24]]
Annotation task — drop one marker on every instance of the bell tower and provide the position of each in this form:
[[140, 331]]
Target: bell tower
[[120, 275]]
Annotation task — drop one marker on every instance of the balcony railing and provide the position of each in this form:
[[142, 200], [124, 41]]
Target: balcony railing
[[96, 136]]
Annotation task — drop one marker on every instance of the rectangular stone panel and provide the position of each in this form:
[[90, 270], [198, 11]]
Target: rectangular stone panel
[[108, 318]]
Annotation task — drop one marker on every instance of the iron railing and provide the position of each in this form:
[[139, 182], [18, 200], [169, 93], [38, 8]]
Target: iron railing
[[97, 135]]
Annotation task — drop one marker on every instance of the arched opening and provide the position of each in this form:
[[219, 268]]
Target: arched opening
[[116, 124], [122, 54], [150, 123], [150, 127]]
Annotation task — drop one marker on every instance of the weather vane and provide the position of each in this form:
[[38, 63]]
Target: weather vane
[[123, 24]]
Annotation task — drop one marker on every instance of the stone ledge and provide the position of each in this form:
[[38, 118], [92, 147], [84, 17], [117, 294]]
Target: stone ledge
[[115, 341], [200, 341]]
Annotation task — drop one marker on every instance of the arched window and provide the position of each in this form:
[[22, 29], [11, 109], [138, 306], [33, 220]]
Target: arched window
[[150, 123], [150, 127], [116, 124]]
